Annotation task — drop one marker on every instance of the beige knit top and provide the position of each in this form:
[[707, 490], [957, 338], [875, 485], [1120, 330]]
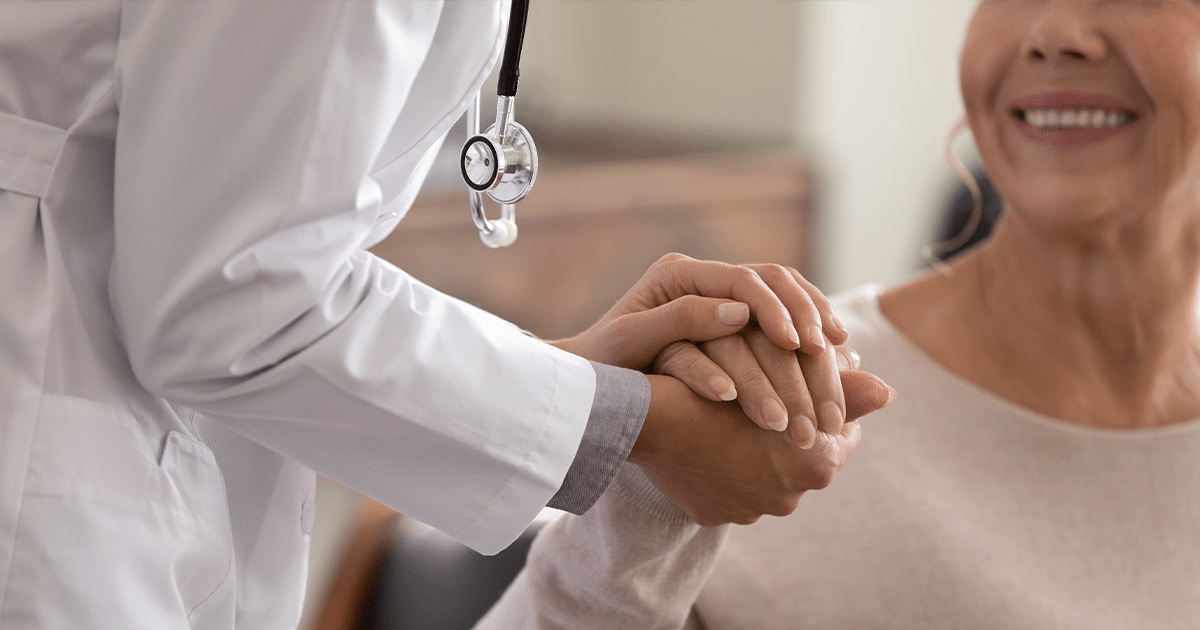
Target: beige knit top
[[958, 510]]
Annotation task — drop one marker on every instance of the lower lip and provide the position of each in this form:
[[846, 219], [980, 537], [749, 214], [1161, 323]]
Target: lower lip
[[1070, 138]]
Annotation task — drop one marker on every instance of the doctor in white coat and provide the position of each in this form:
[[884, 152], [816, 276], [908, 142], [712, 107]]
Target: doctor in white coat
[[190, 322]]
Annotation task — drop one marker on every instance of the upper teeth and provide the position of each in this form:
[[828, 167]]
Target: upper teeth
[[1082, 118]]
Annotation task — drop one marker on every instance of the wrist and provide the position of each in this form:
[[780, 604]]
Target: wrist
[[665, 403], [569, 344]]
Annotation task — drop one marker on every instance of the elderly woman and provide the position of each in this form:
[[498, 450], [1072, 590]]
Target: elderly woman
[[1041, 466]]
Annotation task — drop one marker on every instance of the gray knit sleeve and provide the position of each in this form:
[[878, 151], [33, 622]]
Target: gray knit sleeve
[[618, 410]]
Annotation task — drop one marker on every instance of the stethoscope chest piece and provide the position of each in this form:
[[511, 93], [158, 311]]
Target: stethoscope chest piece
[[503, 168], [502, 161]]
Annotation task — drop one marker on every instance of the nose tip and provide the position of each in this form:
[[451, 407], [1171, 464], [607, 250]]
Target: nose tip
[[1065, 32]]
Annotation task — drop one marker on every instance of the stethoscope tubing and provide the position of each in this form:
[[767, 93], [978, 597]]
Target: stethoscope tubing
[[505, 138]]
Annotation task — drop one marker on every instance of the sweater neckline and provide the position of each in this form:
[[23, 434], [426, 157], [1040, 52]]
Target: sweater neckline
[[866, 300]]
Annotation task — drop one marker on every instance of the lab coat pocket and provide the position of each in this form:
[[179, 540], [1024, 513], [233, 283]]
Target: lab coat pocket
[[203, 573], [119, 528]]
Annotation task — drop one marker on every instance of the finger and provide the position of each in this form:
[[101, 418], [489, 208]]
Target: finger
[[686, 362], [787, 381], [849, 438], [833, 327], [676, 275], [847, 358], [755, 394], [798, 299], [825, 386], [638, 337], [865, 393]]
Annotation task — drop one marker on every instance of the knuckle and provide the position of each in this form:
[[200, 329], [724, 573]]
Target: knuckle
[[687, 362], [794, 393], [824, 472], [753, 378], [688, 312], [723, 349], [776, 271], [670, 358], [743, 275], [822, 479], [787, 505], [845, 360], [670, 259]]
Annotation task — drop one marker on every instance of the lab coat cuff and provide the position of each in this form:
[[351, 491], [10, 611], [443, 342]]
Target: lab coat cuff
[[620, 406]]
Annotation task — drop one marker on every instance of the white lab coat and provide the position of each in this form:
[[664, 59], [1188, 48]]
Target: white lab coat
[[189, 322]]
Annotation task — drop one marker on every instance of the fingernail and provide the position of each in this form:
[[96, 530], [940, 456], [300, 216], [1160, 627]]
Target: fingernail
[[793, 335], [855, 359], [723, 388], [817, 336], [774, 414], [829, 414], [891, 395], [812, 438], [733, 313], [837, 323]]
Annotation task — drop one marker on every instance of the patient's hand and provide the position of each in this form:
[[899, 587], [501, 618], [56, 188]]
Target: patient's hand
[[818, 392], [718, 467]]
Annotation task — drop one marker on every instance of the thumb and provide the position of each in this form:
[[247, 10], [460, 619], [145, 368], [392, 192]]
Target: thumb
[[686, 318], [865, 393]]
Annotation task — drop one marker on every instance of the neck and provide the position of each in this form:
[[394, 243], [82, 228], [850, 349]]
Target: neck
[[1102, 332]]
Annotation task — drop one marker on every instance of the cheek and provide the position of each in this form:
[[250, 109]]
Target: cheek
[[988, 50], [976, 68], [985, 57], [1173, 83]]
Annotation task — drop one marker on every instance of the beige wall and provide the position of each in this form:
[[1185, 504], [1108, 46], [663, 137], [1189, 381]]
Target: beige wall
[[681, 66], [878, 96], [868, 88]]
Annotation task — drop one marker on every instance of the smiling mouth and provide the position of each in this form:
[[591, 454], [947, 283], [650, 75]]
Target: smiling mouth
[[1079, 118]]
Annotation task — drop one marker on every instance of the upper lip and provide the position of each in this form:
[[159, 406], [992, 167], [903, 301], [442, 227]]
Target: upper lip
[[1068, 99]]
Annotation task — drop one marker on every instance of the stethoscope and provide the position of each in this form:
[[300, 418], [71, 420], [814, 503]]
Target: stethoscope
[[502, 161]]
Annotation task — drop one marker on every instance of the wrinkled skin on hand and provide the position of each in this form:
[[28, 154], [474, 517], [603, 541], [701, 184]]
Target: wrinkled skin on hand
[[710, 457], [718, 467]]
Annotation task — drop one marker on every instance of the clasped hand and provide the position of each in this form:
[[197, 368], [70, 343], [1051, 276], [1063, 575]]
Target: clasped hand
[[758, 334]]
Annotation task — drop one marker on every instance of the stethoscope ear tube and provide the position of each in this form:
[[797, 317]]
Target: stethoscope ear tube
[[510, 66]]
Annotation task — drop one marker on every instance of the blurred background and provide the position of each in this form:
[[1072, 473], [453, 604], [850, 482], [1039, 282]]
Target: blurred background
[[804, 132]]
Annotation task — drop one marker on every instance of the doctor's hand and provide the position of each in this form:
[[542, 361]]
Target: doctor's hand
[[718, 467], [680, 298]]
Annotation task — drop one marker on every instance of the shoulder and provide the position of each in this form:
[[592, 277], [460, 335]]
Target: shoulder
[[872, 334]]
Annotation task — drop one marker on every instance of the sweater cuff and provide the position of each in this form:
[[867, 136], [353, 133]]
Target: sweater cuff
[[619, 408]]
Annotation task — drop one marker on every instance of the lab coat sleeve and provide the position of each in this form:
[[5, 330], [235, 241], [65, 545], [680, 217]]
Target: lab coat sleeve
[[259, 147]]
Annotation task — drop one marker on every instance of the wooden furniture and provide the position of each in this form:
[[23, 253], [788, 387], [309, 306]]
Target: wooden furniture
[[374, 529], [589, 230], [398, 574]]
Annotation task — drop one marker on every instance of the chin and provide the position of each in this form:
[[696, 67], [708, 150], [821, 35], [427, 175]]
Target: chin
[[1058, 212]]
